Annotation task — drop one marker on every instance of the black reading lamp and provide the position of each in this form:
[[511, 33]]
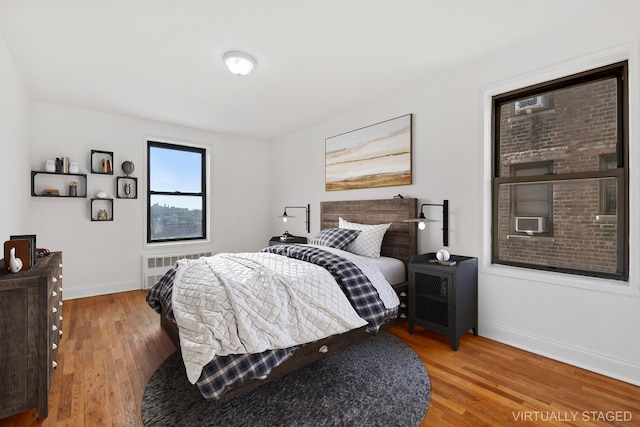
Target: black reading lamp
[[422, 220], [285, 217]]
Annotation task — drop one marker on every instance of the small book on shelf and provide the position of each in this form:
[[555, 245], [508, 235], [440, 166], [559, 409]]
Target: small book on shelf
[[449, 262]]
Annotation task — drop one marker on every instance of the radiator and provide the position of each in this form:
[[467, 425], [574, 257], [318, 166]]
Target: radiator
[[154, 266]]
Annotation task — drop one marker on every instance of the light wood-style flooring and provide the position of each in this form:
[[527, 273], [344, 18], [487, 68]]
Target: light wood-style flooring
[[113, 343]]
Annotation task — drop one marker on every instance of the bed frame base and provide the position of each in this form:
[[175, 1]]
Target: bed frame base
[[305, 355]]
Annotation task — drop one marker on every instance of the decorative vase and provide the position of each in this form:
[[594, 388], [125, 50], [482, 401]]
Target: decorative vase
[[15, 264], [50, 166]]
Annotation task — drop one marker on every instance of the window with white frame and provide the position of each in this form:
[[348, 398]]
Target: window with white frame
[[560, 175], [176, 192]]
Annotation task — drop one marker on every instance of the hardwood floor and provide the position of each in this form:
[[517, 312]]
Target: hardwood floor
[[113, 343]]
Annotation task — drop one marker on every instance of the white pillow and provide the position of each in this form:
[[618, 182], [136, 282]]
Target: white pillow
[[369, 241]]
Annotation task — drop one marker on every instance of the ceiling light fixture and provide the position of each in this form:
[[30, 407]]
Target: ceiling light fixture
[[239, 63]]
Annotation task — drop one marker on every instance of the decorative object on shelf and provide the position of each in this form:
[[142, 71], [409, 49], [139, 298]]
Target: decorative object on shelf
[[102, 209], [42, 252], [443, 255], [21, 251], [15, 264], [378, 155], [73, 189], [62, 165], [50, 192], [102, 162], [74, 167], [285, 217], [32, 247], [422, 220], [50, 165], [128, 167], [101, 195]]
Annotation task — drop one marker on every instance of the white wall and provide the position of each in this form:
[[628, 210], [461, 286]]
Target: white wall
[[576, 320], [106, 257], [14, 148]]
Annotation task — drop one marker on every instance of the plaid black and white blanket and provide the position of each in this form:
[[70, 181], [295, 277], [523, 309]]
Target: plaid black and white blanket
[[225, 372]]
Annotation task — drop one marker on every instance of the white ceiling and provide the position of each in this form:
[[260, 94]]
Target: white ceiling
[[162, 59]]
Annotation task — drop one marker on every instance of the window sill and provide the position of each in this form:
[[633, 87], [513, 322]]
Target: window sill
[[561, 279]]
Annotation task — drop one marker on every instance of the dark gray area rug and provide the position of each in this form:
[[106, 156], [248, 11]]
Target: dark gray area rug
[[378, 382]]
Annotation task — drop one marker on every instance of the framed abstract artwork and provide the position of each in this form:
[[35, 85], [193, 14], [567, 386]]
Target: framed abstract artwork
[[378, 155]]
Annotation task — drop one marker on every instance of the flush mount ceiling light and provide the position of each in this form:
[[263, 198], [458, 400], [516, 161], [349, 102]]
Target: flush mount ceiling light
[[239, 63]]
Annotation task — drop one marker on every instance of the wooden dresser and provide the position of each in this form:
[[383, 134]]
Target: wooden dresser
[[30, 330]]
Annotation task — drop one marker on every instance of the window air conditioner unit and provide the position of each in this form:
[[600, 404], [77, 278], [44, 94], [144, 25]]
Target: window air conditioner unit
[[525, 106], [530, 224]]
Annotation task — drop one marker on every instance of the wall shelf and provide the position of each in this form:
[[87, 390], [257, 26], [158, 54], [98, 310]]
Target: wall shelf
[[80, 178], [98, 204], [101, 162], [126, 187]]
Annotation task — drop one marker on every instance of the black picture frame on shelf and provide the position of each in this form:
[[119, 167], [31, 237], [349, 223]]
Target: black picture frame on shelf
[[121, 187], [101, 162]]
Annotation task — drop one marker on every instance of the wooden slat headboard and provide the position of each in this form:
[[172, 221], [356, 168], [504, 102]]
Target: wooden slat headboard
[[400, 241]]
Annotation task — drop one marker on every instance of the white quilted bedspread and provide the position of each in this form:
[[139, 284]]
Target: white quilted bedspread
[[252, 302]]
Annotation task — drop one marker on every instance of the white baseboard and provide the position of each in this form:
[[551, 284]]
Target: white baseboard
[[619, 369], [99, 289]]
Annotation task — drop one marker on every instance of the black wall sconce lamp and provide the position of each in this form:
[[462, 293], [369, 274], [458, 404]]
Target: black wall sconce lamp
[[422, 220], [307, 208]]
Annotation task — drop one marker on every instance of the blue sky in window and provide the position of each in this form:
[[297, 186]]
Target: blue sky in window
[[175, 170]]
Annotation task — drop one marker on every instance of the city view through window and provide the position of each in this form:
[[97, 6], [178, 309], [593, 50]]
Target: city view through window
[[176, 196]]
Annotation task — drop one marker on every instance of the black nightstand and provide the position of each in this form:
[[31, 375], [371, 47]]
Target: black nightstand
[[443, 298], [275, 240]]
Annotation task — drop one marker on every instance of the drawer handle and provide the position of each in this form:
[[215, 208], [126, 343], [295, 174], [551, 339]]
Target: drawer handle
[[403, 294], [60, 333], [54, 346], [54, 280], [54, 310], [60, 265], [54, 328], [60, 317], [262, 377], [403, 315], [60, 276], [60, 288], [54, 364], [324, 349], [403, 305], [60, 303], [54, 294]]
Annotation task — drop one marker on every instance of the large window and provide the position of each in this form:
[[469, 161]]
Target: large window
[[560, 175], [176, 192]]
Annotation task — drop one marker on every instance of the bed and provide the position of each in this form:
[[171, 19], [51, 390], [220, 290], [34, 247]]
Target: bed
[[399, 243]]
